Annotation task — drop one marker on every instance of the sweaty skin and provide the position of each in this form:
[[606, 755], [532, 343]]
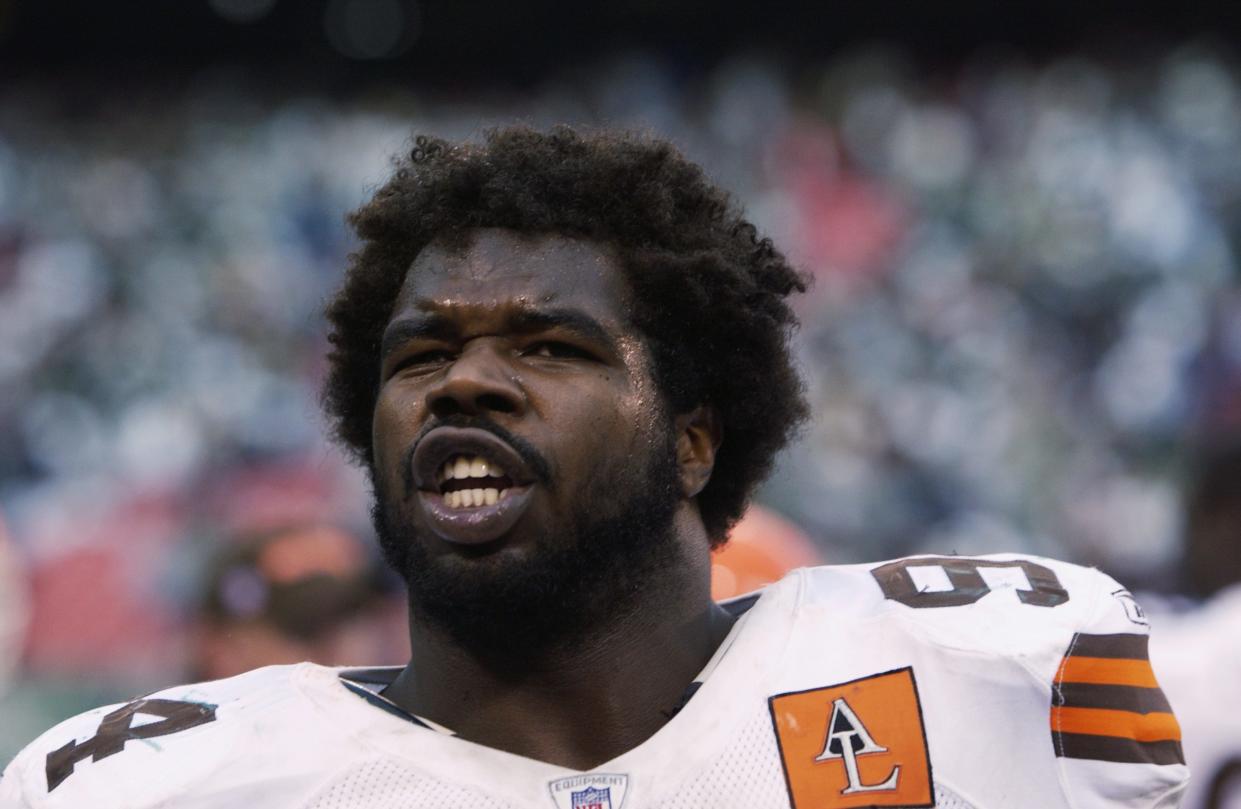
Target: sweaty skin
[[531, 334]]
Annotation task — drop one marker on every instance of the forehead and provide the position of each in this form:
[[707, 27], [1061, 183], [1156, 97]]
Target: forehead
[[498, 269]]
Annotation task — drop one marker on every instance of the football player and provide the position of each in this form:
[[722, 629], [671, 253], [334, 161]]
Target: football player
[[1199, 649], [563, 360]]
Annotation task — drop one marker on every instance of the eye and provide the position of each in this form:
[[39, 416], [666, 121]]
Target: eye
[[423, 361], [553, 349]]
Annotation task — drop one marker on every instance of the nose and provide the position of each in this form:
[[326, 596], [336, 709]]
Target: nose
[[480, 381]]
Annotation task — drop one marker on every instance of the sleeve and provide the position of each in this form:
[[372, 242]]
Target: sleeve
[[1116, 740]]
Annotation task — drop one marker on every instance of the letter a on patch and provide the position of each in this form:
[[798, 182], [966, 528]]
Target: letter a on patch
[[854, 744]]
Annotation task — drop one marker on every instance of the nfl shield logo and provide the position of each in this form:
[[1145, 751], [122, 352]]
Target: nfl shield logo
[[591, 798], [597, 790]]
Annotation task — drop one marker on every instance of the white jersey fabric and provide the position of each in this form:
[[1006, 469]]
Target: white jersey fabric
[[1198, 656], [989, 682]]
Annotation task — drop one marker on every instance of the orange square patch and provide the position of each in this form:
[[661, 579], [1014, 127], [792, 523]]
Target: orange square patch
[[856, 744]]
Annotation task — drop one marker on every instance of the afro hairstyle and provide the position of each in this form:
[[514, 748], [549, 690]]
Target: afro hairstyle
[[710, 295]]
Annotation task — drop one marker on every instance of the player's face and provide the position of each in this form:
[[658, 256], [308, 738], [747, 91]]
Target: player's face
[[518, 431]]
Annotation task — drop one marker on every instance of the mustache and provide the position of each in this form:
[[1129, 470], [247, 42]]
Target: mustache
[[528, 454]]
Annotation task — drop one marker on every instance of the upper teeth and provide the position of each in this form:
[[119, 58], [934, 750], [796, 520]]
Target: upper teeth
[[461, 467]]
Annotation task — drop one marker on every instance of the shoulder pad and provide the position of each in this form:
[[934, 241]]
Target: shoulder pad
[[1008, 604], [149, 750]]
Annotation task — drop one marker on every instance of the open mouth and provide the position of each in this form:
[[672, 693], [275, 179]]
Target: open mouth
[[472, 485], [468, 481]]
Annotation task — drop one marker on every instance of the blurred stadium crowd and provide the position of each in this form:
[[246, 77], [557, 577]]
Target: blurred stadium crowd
[[1026, 317]]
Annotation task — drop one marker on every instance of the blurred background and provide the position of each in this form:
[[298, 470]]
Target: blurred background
[[1024, 332]]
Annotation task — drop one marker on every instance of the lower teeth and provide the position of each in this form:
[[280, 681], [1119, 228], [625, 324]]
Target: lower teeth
[[470, 498]]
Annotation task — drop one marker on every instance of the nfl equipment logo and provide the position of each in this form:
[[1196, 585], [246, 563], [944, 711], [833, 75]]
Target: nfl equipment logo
[[600, 790], [591, 798]]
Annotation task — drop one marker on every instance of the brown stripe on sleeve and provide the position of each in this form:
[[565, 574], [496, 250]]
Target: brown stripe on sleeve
[[1112, 697], [1112, 748], [1127, 645]]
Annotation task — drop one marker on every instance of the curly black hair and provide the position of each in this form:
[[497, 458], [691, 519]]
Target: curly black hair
[[710, 294]]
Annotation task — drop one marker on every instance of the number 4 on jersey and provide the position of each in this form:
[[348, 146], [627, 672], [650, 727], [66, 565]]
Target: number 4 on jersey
[[117, 728]]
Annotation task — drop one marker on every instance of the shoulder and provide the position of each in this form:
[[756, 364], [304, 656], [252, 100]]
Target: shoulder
[[145, 751], [1063, 647], [1048, 618], [1003, 603]]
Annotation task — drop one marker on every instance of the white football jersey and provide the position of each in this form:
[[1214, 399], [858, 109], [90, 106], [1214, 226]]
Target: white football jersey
[[953, 682], [1198, 655]]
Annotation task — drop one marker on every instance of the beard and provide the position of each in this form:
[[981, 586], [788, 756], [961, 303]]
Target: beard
[[611, 555]]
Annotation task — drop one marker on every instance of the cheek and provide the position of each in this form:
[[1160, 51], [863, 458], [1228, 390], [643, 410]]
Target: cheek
[[613, 426], [390, 428]]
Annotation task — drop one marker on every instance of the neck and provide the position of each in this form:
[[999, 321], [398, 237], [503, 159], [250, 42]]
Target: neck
[[627, 676]]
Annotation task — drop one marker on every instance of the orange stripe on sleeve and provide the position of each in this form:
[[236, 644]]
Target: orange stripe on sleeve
[[1151, 727], [1107, 671]]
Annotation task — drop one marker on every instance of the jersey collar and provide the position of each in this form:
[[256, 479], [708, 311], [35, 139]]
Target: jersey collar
[[735, 679]]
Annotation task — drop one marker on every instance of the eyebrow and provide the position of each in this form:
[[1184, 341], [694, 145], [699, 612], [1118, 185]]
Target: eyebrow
[[573, 320], [405, 329], [439, 327]]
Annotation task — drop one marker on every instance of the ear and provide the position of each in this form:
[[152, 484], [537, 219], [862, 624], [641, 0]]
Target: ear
[[698, 438]]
